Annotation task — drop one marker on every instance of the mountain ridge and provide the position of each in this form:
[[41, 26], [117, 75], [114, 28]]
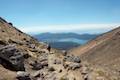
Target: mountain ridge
[[104, 50], [65, 35]]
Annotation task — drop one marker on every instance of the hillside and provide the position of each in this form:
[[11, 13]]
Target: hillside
[[104, 50]]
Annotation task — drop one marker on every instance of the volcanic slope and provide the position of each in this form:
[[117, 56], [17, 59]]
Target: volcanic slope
[[104, 50]]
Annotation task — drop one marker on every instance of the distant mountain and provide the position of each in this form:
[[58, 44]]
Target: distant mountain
[[56, 36], [65, 40]]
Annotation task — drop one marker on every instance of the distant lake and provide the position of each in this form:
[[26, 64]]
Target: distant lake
[[74, 40], [78, 41]]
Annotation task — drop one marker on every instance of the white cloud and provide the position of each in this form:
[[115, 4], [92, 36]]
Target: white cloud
[[79, 28]]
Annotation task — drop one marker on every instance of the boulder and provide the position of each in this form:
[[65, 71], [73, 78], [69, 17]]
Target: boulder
[[39, 65], [12, 56], [10, 23], [72, 58]]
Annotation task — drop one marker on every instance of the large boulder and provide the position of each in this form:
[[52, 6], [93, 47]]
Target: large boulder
[[11, 56]]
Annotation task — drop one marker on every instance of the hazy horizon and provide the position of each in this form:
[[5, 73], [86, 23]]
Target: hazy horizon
[[78, 16]]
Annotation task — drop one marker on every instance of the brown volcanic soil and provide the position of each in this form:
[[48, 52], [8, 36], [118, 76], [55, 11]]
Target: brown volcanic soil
[[104, 50]]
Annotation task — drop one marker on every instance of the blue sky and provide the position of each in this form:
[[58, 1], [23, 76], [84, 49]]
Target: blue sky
[[81, 16]]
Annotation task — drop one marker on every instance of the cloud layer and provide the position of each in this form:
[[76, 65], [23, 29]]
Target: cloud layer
[[78, 28]]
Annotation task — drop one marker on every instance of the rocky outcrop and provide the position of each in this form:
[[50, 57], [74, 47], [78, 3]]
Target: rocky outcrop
[[10, 55]]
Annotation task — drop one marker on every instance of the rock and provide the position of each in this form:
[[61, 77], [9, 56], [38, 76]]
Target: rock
[[64, 78], [60, 70], [36, 66], [77, 59], [65, 65], [2, 42], [39, 65], [34, 50], [36, 74], [16, 42], [56, 61], [51, 69], [42, 51], [44, 63], [84, 70], [71, 65], [32, 46], [10, 23], [26, 56], [64, 52], [72, 58], [74, 66], [21, 75], [68, 58], [12, 56]]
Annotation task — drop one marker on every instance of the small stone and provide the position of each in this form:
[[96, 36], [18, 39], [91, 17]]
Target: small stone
[[77, 59], [84, 70], [60, 71], [64, 52], [56, 61], [51, 69], [74, 66], [36, 74], [21, 75]]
